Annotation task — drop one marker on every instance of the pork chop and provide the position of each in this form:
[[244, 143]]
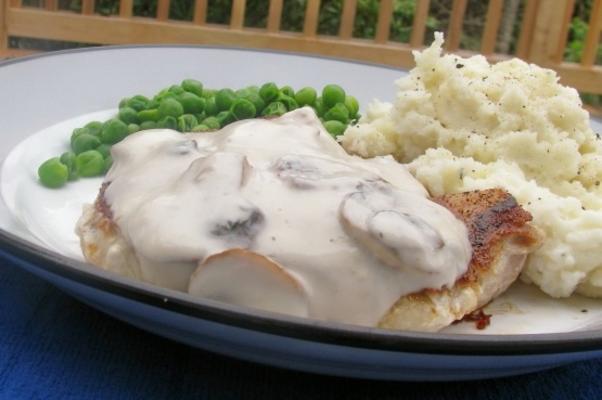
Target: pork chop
[[499, 233]]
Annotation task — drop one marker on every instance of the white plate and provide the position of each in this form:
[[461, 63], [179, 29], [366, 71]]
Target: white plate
[[45, 97]]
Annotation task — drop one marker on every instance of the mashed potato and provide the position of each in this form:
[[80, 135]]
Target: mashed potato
[[463, 124]]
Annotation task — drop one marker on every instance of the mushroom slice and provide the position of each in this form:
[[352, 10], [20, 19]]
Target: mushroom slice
[[309, 172], [397, 238], [241, 227], [242, 277]]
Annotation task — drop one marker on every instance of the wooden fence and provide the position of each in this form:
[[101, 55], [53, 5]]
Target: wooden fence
[[542, 38]]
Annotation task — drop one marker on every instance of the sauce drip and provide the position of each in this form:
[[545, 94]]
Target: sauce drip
[[321, 233]]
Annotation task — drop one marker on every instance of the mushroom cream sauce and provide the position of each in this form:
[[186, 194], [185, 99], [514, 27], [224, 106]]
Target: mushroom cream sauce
[[323, 234]]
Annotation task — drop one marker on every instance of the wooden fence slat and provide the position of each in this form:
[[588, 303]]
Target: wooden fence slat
[[492, 25], [312, 12], [347, 19], [383, 26], [551, 27], [14, 53], [527, 28], [51, 5], [456, 19], [564, 31], [274, 16], [126, 8], [200, 12], [88, 7], [593, 35], [163, 10], [237, 16], [3, 30], [102, 30], [419, 24]]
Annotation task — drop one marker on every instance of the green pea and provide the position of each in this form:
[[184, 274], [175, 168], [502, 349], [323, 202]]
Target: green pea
[[242, 109], [152, 104], [210, 106], [78, 132], [85, 142], [305, 96], [253, 89], [168, 122], [167, 95], [200, 116], [113, 131], [149, 115], [133, 128], [94, 128], [201, 128], [148, 125], [337, 113], [224, 99], [288, 101], [161, 93], [104, 149], [352, 105], [53, 173], [170, 108], [256, 99], [137, 103], [269, 92], [128, 115], [244, 92], [332, 94], [224, 118], [274, 109], [193, 86], [186, 122], [335, 128], [191, 103], [123, 102], [107, 164], [176, 89], [287, 91], [207, 93], [211, 123], [319, 107], [68, 159], [89, 163]]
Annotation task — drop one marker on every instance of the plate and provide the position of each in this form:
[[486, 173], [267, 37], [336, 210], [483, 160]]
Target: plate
[[47, 95]]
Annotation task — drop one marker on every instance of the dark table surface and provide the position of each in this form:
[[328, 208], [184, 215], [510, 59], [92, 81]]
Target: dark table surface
[[54, 347]]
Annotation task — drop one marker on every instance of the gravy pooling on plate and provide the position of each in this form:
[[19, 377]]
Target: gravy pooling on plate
[[322, 233]]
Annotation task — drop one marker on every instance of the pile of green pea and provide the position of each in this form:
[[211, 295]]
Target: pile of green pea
[[189, 107]]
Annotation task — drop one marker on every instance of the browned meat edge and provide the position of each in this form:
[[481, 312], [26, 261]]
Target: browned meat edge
[[491, 216]]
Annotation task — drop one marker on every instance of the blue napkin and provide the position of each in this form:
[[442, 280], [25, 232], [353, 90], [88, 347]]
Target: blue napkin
[[54, 347]]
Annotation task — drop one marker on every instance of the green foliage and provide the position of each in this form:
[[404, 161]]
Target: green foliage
[[576, 42], [577, 34]]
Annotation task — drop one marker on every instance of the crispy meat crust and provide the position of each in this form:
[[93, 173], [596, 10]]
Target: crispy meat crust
[[491, 216]]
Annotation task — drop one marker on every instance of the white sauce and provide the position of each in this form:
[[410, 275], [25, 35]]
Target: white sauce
[[352, 235]]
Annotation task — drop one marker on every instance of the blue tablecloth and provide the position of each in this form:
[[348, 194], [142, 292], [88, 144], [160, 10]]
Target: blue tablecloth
[[54, 347]]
